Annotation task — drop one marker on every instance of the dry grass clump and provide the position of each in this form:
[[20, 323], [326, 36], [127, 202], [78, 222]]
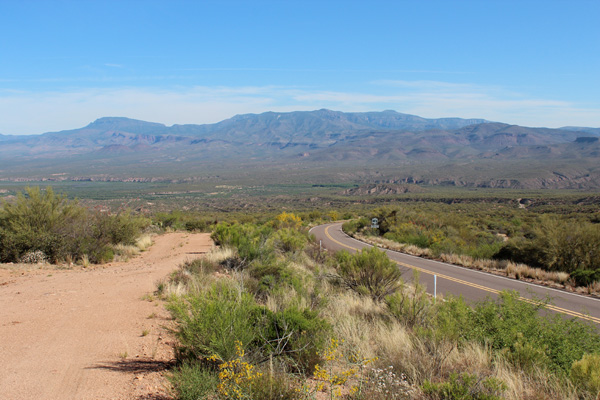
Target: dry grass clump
[[284, 299], [144, 242], [519, 271], [594, 288], [85, 261], [125, 252], [391, 245], [217, 255], [355, 320]]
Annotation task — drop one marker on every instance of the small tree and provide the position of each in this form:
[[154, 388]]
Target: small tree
[[40, 221], [369, 272]]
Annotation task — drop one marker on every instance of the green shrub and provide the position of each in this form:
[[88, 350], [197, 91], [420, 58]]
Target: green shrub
[[249, 240], [172, 220], [465, 387], [122, 228], [272, 275], [197, 225], [298, 336], [411, 307], [501, 323], [516, 329], [61, 229], [451, 317], [558, 245], [193, 382], [353, 226], [369, 272], [586, 373], [41, 221], [585, 277], [289, 240], [276, 387], [210, 323]]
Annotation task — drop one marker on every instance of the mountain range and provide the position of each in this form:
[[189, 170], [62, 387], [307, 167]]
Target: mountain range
[[351, 146]]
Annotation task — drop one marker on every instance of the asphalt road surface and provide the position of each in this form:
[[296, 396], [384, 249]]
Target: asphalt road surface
[[471, 284]]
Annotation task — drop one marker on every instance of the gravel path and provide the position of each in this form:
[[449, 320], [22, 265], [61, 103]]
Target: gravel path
[[91, 333]]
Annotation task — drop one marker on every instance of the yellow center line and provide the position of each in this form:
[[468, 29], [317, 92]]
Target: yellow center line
[[474, 285]]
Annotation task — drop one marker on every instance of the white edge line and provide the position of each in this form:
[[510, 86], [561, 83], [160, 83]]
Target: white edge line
[[474, 270]]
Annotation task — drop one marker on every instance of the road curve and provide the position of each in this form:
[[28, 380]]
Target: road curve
[[471, 284]]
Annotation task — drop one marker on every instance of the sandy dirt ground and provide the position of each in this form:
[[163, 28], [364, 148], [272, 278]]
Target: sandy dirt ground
[[94, 333]]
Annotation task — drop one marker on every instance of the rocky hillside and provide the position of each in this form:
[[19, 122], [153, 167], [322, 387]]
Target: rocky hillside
[[324, 139]]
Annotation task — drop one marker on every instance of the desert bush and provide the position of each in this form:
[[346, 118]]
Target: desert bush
[[568, 246], [250, 240], [353, 226], [585, 277], [369, 272], [272, 274], [171, 220], [411, 305], [179, 220], [122, 228], [557, 245], [199, 266], [210, 323], [277, 386], [41, 221], [287, 220], [517, 330], [190, 381], [289, 240], [61, 229], [197, 225], [297, 335], [586, 373]]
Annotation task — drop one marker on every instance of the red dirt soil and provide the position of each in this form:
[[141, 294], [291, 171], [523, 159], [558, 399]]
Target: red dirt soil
[[92, 333]]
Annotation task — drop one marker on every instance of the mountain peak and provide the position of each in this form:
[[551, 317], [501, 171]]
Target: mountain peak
[[104, 121], [127, 124]]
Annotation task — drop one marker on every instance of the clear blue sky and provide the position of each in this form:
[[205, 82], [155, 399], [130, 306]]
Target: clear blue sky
[[65, 63]]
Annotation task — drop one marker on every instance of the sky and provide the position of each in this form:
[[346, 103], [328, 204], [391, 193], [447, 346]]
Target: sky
[[64, 64]]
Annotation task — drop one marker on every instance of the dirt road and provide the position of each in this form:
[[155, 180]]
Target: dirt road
[[90, 333]]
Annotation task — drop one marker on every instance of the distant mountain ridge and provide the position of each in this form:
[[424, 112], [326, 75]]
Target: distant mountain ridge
[[118, 146]]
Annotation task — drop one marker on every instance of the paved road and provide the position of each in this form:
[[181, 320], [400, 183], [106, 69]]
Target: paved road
[[471, 284]]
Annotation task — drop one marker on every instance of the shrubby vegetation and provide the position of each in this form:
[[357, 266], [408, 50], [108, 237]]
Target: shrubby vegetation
[[178, 220], [41, 225], [262, 319], [369, 272], [547, 239]]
